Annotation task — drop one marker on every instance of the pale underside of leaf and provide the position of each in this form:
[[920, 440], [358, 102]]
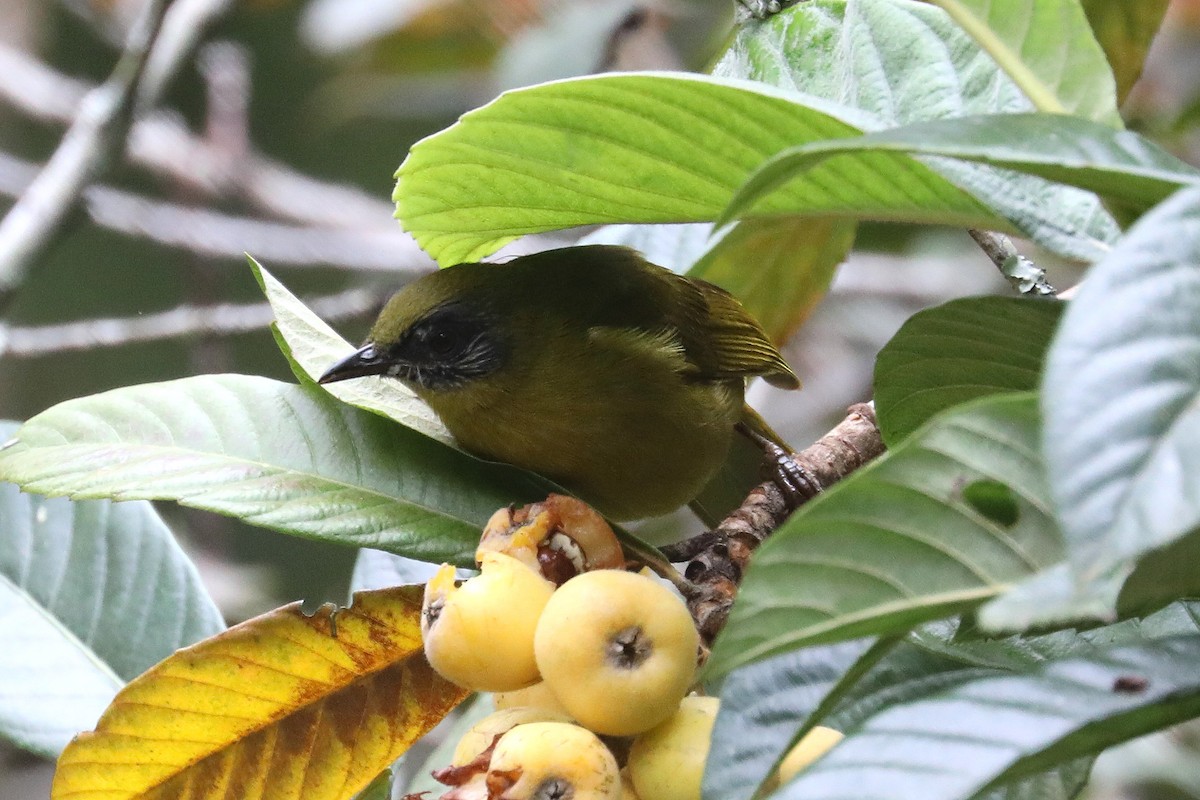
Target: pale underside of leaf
[[897, 543], [286, 457]]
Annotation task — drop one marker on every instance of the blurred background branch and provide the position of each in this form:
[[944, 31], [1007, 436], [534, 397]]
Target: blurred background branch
[[215, 320], [94, 140]]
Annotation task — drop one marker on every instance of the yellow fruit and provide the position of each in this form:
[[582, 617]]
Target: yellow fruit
[[558, 538], [816, 743], [483, 733], [538, 695], [618, 650], [479, 634], [474, 789], [667, 761], [627, 790], [552, 760]]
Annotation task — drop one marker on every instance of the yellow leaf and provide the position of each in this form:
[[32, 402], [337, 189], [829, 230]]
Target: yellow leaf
[[277, 707]]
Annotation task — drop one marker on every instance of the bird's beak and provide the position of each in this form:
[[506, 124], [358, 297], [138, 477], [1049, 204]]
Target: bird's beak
[[364, 361]]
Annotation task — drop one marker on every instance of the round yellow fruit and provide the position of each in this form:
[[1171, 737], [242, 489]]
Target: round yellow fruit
[[552, 760], [538, 695], [479, 634], [618, 649], [483, 733], [816, 743], [667, 761]]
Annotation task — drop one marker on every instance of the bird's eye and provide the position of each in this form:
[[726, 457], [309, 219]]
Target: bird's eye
[[442, 343]]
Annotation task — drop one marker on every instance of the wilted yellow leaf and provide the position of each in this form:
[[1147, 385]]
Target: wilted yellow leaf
[[277, 707]]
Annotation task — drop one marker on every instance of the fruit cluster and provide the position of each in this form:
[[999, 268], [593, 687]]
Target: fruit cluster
[[575, 648]]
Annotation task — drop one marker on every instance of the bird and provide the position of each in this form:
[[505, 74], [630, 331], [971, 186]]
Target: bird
[[618, 379]]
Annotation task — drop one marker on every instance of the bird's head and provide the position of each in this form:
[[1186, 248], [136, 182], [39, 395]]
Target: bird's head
[[436, 334]]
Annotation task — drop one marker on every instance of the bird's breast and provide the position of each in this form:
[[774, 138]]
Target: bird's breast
[[632, 433]]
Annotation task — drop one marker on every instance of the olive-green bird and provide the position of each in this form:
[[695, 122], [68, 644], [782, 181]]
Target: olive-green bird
[[612, 376]]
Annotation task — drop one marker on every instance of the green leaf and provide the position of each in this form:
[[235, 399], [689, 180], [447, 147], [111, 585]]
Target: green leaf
[[92, 594], [643, 148], [676, 247], [312, 347], [901, 63], [378, 789], [896, 543], [960, 351], [469, 712], [1117, 164], [1062, 783], [1122, 435], [1047, 47], [286, 457], [1125, 31], [765, 705], [989, 732], [993, 500], [793, 263]]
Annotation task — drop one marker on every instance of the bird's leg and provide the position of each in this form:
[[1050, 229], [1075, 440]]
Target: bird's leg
[[797, 486]]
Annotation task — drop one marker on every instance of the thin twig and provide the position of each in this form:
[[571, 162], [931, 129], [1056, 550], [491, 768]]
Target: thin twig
[[95, 139], [215, 320], [181, 32], [162, 144], [718, 559], [1021, 273], [218, 235]]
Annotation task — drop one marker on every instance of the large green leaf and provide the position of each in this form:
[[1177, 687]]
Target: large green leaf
[[959, 351], [91, 595], [1125, 31], [1047, 47], [286, 457], [985, 733], [763, 706], [1122, 435], [778, 268], [643, 148], [311, 346], [1121, 165], [676, 247], [903, 540], [900, 63], [767, 705]]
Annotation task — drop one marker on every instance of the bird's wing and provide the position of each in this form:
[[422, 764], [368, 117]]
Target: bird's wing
[[724, 341]]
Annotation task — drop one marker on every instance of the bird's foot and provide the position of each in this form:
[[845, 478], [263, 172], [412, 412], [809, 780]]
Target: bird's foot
[[782, 469], [797, 486]]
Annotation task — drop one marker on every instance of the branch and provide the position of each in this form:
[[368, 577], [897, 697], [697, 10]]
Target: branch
[[223, 319], [162, 144], [1021, 273], [719, 558], [211, 233], [181, 31], [88, 148]]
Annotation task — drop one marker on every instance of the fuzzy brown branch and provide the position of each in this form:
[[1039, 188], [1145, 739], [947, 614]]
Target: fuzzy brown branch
[[718, 559]]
